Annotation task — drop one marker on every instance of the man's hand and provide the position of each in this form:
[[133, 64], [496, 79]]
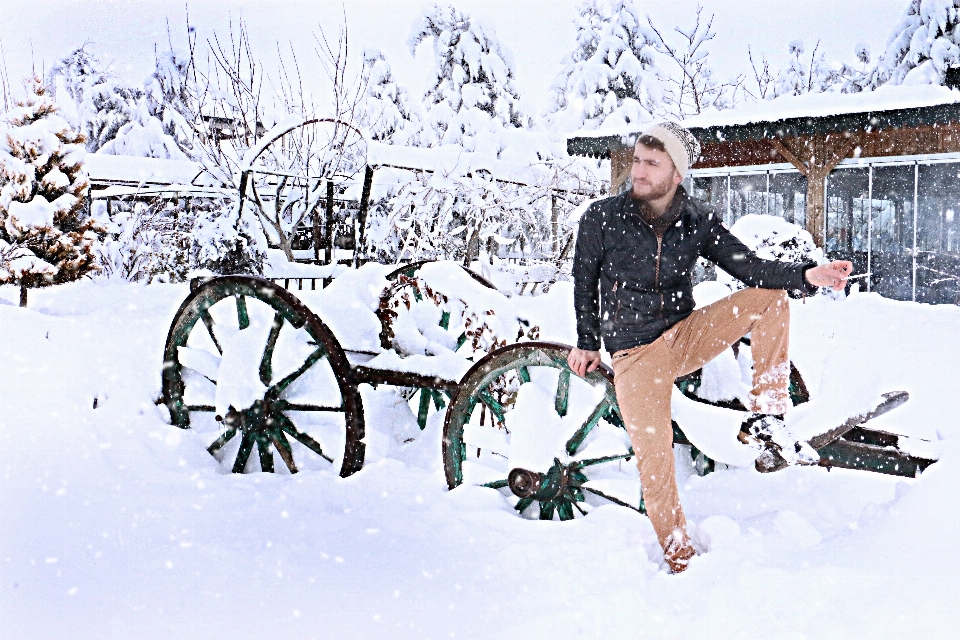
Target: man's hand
[[583, 362], [833, 274]]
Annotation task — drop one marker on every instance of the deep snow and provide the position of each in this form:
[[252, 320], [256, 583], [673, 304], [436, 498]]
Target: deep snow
[[116, 524]]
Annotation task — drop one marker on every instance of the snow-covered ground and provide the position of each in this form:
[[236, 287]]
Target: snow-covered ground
[[114, 524]]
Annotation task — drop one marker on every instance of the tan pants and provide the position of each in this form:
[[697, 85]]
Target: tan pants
[[644, 378]]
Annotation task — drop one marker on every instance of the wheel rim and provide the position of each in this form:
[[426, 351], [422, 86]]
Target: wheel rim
[[247, 360], [591, 462]]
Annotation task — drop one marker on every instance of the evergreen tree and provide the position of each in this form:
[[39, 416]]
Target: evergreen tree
[[472, 94], [613, 77], [169, 98], [922, 46], [46, 236], [122, 120], [387, 113], [90, 99]]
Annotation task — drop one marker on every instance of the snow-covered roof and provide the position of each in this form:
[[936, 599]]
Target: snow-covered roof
[[819, 105], [104, 168], [886, 107], [450, 159]]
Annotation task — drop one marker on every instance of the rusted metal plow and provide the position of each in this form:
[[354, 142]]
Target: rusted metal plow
[[249, 363]]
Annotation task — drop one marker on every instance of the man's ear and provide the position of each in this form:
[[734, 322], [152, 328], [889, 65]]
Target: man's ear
[[677, 178]]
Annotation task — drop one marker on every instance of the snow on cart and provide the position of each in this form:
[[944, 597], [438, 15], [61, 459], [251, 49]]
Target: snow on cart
[[266, 373]]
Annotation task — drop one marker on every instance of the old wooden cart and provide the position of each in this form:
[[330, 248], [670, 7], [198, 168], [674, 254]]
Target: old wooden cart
[[256, 368]]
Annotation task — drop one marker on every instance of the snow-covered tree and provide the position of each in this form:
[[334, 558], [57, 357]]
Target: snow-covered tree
[[472, 95], [922, 46], [804, 74], [46, 236], [693, 84], [387, 114], [614, 76], [169, 97], [92, 100], [852, 78], [122, 120]]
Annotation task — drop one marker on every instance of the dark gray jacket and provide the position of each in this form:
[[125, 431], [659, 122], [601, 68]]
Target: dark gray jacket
[[645, 280]]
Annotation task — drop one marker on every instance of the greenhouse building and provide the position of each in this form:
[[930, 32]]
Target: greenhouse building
[[874, 177]]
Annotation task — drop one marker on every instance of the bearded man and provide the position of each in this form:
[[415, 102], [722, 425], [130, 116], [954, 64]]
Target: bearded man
[[637, 251]]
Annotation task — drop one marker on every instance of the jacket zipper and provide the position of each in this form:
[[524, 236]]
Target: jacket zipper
[[656, 278]]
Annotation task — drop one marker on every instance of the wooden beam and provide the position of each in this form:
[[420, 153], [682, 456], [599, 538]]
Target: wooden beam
[[789, 157], [621, 160]]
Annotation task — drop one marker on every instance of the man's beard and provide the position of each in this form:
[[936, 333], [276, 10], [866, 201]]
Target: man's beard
[[654, 190]]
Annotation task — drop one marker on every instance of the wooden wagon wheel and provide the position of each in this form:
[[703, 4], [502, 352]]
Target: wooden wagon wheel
[[454, 326], [247, 362], [490, 421]]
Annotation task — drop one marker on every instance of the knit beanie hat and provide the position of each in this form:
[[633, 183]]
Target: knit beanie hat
[[681, 146]]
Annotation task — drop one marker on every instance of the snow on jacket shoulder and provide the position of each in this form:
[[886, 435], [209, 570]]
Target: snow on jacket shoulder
[[645, 281]]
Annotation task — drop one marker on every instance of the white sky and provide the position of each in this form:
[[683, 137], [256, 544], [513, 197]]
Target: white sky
[[537, 32]]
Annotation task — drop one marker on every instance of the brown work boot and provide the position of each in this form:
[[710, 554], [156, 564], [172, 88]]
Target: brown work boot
[[678, 551]]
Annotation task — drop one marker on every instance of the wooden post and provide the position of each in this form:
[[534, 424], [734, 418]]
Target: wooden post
[[23, 296], [621, 161], [328, 250], [815, 158], [316, 229], [554, 223], [360, 247]]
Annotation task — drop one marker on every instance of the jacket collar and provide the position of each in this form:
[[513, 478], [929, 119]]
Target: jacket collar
[[630, 206]]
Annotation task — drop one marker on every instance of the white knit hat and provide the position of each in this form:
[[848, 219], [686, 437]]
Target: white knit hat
[[680, 144]]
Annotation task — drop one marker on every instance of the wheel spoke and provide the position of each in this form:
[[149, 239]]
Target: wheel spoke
[[287, 426], [563, 393], [283, 448], [285, 405], [523, 504], [614, 500], [266, 456], [524, 373], [275, 391], [592, 461], [424, 409], [578, 437], [492, 404], [208, 323], [496, 484], [243, 318], [222, 440], [546, 510], [246, 446], [266, 362]]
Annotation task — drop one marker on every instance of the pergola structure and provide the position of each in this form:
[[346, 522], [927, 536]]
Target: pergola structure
[[833, 163]]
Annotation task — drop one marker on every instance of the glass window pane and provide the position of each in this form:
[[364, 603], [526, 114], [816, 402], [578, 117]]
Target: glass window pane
[[938, 233], [713, 191], [847, 209], [748, 194], [788, 197], [892, 260]]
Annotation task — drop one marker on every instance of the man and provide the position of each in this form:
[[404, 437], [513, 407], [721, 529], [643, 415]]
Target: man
[[639, 249]]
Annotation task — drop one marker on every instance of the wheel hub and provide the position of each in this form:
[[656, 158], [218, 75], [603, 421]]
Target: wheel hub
[[541, 486], [255, 419]]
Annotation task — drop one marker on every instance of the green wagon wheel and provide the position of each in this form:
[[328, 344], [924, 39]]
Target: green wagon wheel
[[247, 363], [406, 297], [525, 394]]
